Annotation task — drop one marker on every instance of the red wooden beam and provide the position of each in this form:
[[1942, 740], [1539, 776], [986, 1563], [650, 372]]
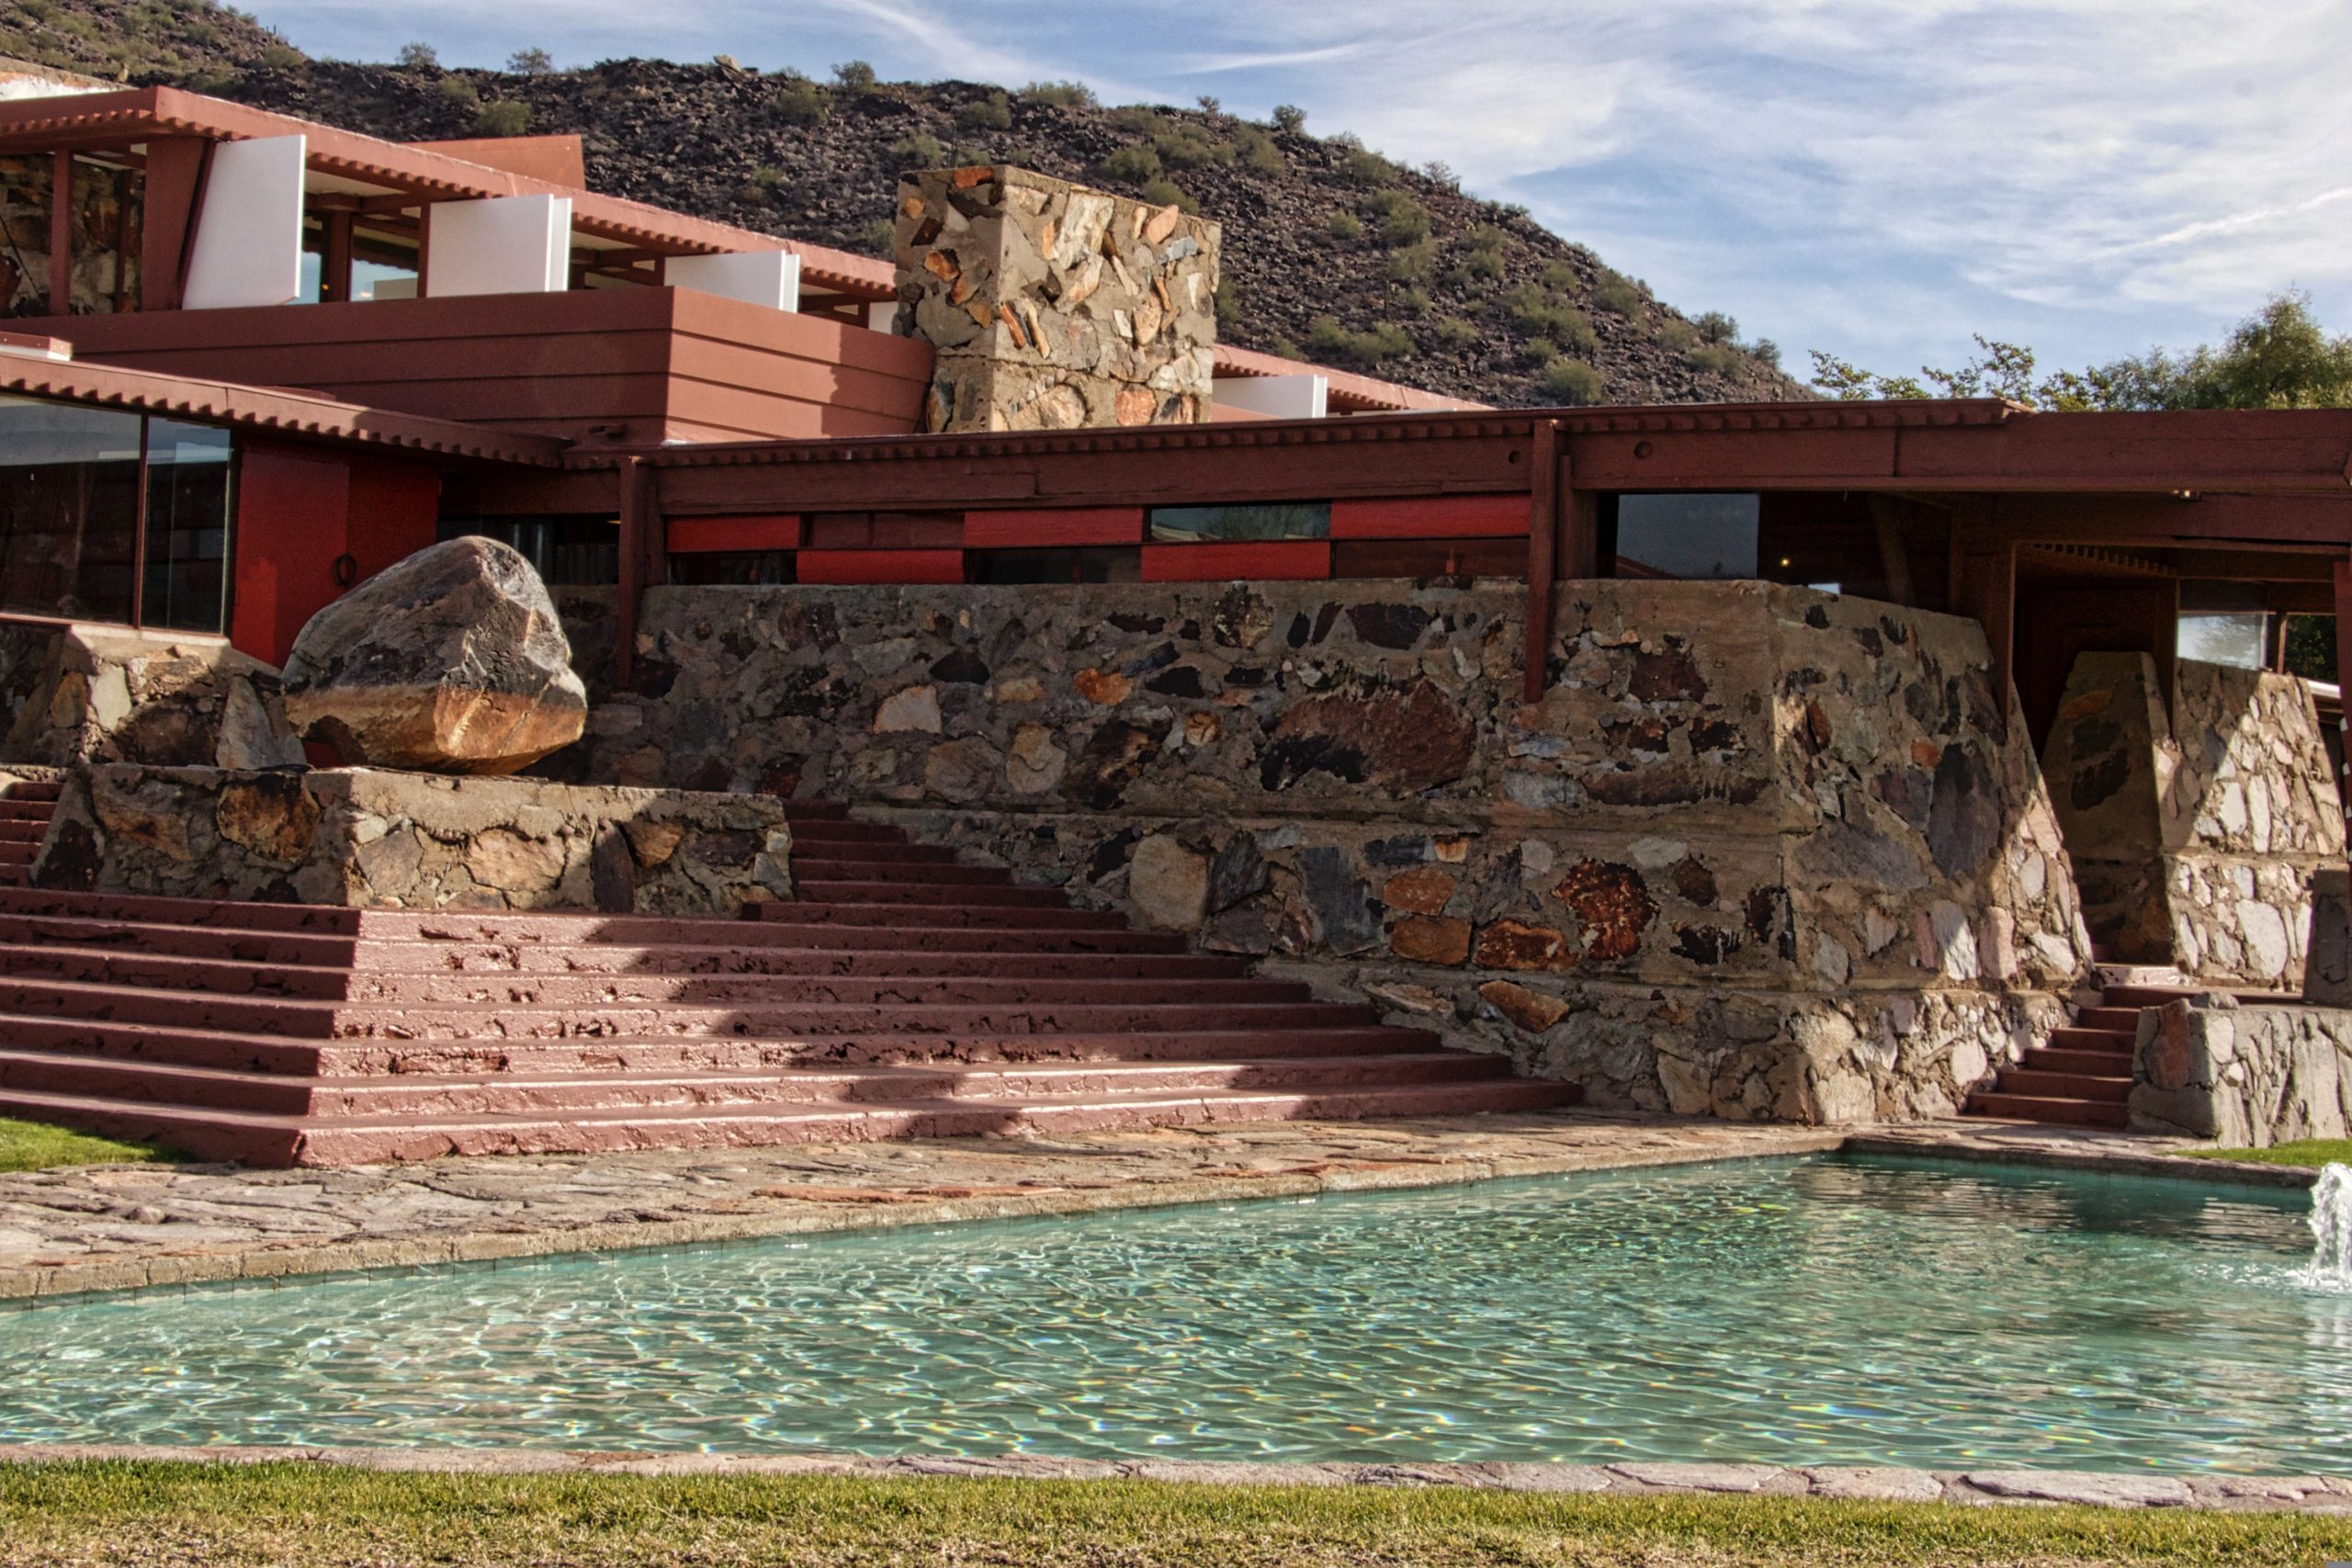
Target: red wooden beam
[[881, 566], [1542, 553], [1430, 517], [1263, 560], [1053, 527], [695, 535]]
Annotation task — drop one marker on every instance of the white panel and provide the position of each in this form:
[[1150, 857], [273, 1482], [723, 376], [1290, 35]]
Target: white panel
[[761, 278], [248, 248], [882, 317], [505, 244], [1282, 397]]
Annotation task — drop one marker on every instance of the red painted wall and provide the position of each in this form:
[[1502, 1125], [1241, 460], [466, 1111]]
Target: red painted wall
[[299, 509]]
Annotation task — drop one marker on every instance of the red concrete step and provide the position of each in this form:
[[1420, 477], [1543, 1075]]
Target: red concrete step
[[2043, 1085], [2064, 1112], [814, 835], [891, 960], [2099, 1064], [816, 890], [371, 987], [797, 811], [141, 909], [2077, 1039], [18, 853], [2123, 1021], [187, 942], [808, 852], [949, 915], [35, 791], [810, 870], [13, 810], [142, 967], [18, 830], [800, 931]]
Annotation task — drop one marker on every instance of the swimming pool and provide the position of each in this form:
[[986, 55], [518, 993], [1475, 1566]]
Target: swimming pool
[[1829, 1310]]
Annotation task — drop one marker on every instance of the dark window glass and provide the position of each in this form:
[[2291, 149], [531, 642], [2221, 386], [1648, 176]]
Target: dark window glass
[[1106, 563], [579, 551], [1272, 520], [188, 509], [733, 569], [1686, 535], [68, 510]]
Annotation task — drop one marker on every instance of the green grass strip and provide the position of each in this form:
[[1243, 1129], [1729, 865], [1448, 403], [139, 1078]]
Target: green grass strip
[[2311, 1152], [120, 1512], [33, 1145]]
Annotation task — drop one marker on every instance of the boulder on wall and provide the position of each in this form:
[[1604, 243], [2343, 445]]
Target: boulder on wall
[[453, 661]]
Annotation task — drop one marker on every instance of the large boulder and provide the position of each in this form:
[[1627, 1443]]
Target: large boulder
[[452, 662]]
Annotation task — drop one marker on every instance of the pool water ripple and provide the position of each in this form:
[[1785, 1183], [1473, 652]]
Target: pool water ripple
[[1829, 1310]]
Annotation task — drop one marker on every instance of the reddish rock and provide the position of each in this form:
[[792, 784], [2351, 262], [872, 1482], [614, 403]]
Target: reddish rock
[[1406, 740], [1422, 892], [1425, 939], [1531, 1011], [1105, 688], [1514, 944], [1614, 903]]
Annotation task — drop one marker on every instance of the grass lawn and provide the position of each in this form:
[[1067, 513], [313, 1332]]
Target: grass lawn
[[123, 1513], [32, 1145], [2312, 1152]]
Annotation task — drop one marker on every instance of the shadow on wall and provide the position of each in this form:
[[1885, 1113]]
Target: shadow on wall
[[2195, 829]]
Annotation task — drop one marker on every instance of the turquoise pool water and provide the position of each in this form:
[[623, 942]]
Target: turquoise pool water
[[1816, 1311]]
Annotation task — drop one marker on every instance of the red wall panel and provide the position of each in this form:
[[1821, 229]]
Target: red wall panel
[[881, 566], [778, 531], [1434, 517], [1064, 525], [291, 511], [1275, 560], [395, 511]]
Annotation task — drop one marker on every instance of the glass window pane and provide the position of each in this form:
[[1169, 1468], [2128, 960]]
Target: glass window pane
[[188, 509], [68, 510], [25, 183], [1686, 535], [1272, 520], [2238, 641]]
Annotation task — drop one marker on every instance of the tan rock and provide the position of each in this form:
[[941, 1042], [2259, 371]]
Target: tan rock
[[272, 815], [1201, 729], [1104, 687], [651, 844], [1426, 939], [1514, 945], [505, 860], [1531, 1011], [1167, 884], [1035, 763], [1424, 890], [1022, 689]]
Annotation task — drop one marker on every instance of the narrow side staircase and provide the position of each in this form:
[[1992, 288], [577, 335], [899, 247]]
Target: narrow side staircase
[[25, 807], [902, 994]]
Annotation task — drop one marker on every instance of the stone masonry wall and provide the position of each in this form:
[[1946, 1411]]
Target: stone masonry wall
[[71, 694], [383, 840], [1760, 851], [1051, 306], [2247, 1075], [2195, 830]]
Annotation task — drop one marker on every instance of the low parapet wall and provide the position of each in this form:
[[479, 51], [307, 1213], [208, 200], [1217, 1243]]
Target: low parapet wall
[[1760, 851], [72, 694], [2247, 1075], [376, 839]]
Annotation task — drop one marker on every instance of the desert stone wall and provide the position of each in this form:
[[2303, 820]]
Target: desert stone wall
[[2196, 825], [2249, 1075], [71, 694], [402, 841], [1051, 306], [1761, 852]]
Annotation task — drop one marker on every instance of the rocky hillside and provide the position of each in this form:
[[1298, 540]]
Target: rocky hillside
[[1331, 252]]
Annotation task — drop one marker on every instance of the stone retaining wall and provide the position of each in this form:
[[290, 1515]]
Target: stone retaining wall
[[2195, 829], [71, 694], [382, 839], [2248, 1075], [1761, 852]]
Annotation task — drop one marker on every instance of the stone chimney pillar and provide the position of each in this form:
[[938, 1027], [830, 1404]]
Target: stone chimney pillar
[[1051, 306]]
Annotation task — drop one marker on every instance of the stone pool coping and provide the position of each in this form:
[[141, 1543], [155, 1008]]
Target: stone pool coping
[[1630, 1478], [126, 1227]]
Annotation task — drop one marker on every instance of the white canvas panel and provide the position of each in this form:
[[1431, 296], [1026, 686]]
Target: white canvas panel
[[761, 278], [505, 245], [1282, 396], [248, 248]]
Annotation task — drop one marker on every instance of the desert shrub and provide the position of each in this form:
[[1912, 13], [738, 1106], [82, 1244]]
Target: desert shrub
[[1283, 348], [1343, 225], [503, 117], [879, 238], [459, 90], [1540, 310], [992, 113], [1367, 167], [1477, 267], [281, 57], [1616, 292], [1384, 340], [1062, 95], [856, 76], [1138, 119], [1403, 220], [1258, 151], [530, 63], [1228, 302], [418, 57], [799, 101], [1562, 278], [1538, 351], [1765, 349], [1181, 146], [1416, 263], [1716, 358], [1453, 334], [1416, 299], [1678, 333], [1130, 166], [1570, 381], [1716, 327], [1210, 103], [1290, 117], [1165, 192], [921, 150]]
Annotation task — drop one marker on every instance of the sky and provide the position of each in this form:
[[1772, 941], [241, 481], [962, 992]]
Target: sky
[[1876, 178]]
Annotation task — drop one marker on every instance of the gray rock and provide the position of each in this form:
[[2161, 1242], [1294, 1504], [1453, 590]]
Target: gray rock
[[2099, 1491], [452, 662]]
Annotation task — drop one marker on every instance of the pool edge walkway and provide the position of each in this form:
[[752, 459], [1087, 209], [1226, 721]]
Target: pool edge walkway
[[1624, 1478], [125, 1228]]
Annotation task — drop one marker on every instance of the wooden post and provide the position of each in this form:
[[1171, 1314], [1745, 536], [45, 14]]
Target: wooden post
[[167, 221], [2343, 672], [334, 263], [643, 559], [61, 235], [1543, 552], [1985, 585]]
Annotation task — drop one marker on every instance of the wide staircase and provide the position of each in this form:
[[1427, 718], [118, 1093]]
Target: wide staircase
[[25, 805], [902, 994]]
